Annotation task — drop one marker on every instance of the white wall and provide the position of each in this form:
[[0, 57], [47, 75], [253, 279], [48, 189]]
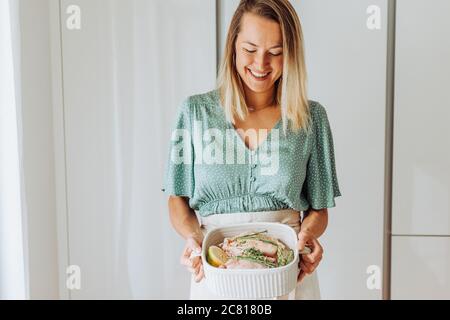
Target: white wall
[[421, 205], [347, 74]]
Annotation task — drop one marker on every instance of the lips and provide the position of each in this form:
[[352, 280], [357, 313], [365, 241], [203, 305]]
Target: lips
[[259, 75]]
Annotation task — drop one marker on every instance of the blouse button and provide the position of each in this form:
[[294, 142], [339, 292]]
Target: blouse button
[[254, 166], [253, 179]]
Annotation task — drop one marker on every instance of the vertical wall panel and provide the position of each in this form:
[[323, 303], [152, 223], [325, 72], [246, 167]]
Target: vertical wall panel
[[38, 162], [421, 181], [421, 196], [420, 268]]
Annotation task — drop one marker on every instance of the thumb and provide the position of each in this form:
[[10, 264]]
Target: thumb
[[301, 241], [194, 245]]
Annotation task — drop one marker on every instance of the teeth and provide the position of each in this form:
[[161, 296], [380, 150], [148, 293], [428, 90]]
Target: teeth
[[259, 75]]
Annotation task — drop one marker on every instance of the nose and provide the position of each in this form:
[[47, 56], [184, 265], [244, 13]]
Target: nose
[[261, 61]]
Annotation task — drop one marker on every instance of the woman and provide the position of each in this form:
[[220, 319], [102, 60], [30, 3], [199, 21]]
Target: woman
[[254, 149]]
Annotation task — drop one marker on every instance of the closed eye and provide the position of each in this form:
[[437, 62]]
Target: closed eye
[[272, 54]]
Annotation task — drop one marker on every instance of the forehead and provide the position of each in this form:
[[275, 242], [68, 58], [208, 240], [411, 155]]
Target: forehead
[[260, 31]]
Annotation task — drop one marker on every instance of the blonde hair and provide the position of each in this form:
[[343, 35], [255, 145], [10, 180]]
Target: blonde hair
[[291, 92]]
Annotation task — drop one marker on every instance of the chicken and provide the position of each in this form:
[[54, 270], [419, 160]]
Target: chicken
[[267, 249], [243, 264], [235, 248], [254, 250]]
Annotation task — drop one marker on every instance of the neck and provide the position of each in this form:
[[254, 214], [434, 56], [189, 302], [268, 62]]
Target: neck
[[259, 100]]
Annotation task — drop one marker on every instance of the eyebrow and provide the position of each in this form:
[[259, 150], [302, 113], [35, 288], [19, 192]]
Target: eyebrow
[[252, 44]]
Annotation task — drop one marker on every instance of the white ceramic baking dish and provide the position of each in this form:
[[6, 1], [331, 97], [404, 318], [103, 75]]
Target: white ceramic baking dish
[[251, 283]]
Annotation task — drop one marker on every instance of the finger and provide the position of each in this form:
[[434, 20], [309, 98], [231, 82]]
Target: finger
[[308, 258], [187, 251], [306, 267], [202, 272], [193, 264], [200, 275], [317, 250], [310, 267], [303, 267], [199, 265], [193, 245], [185, 259], [196, 260], [195, 269], [301, 241], [316, 264], [301, 276], [192, 270], [311, 258]]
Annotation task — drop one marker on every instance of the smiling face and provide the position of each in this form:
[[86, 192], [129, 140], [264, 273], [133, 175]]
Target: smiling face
[[259, 53]]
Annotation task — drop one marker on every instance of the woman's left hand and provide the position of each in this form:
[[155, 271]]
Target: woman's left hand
[[308, 262]]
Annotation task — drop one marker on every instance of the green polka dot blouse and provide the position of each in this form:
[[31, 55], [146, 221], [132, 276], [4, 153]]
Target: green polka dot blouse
[[210, 164]]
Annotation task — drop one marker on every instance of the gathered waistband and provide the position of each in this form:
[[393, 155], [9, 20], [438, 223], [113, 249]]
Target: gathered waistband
[[289, 217]]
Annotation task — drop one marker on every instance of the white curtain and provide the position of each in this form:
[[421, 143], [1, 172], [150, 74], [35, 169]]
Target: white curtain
[[13, 275], [123, 75], [126, 71]]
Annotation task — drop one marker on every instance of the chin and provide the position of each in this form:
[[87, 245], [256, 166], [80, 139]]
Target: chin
[[260, 89]]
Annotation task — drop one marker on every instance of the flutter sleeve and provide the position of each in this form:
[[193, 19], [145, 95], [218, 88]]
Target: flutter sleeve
[[179, 170], [320, 187]]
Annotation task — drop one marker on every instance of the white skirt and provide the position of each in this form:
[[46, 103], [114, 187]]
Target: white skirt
[[308, 289]]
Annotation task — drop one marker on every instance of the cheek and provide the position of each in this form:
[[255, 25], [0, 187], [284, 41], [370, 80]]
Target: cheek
[[278, 65], [243, 61]]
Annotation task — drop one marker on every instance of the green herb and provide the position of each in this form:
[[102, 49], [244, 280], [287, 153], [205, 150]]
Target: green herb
[[242, 240], [256, 256], [265, 263], [284, 254]]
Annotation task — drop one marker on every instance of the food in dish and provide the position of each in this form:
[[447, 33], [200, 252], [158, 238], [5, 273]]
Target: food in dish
[[250, 250]]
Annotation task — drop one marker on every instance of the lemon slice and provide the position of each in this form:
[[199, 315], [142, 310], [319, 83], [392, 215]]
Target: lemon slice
[[216, 256]]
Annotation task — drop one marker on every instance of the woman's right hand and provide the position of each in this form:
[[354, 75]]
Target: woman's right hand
[[193, 263]]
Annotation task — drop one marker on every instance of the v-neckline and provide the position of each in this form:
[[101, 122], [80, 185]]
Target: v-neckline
[[242, 141], [231, 126]]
